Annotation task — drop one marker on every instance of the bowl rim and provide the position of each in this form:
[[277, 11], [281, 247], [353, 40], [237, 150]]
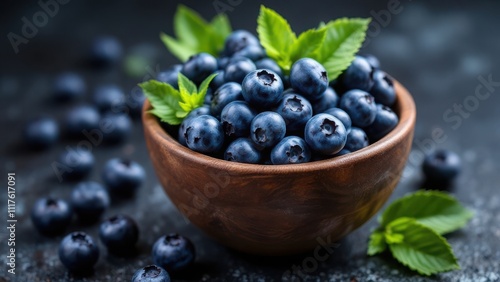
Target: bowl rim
[[404, 108]]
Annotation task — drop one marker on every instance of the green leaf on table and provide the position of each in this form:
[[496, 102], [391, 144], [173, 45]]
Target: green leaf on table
[[343, 39], [377, 243], [436, 210], [422, 249]]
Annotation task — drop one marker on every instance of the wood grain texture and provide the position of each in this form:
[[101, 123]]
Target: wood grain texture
[[281, 209]]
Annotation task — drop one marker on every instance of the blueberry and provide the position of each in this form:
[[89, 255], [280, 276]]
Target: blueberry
[[105, 51], [356, 140], [385, 121], [119, 233], [199, 66], [116, 128], [262, 89], [441, 166], [208, 97], [135, 101], [203, 110], [359, 75], [69, 86], [109, 98], [342, 116], [269, 64], [238, 40], [222, 62], [252, 52], [295, 110], [218, 80], [291, 150], [236, 118], [41, 133], [236, 70], [267, 129], [360, 106], [51, 216], [123, 177], [242, 150], [383, 89], [170, 75], [89, 200], [75, 164], [342, 152], [204, 134], [309, 78], [78, 252], [373, 61], [329, 99], [227, 93], [173, 252], [81, 120], [325, 134], [151, 273]]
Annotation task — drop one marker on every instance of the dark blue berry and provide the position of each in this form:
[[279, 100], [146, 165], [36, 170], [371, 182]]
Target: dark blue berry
[[173, 252], [204, 134], [226, 94], [238, 40], [51, 216], [342, 152], [356, 140], [384, 122], [295, 110], [252, 52], [119, 233], [309, 78], [262, 89], [218, 80], [81, 120], [329, 99], [373, 61], [123, 177], [236, 118], [109, 98], [269, 64], [359, 75], [360, 106], [441, 166], [267, 129], [242, 150], [237, 69], [170, 75], [199, 66], [78, 252], [89, 201], [383, 89], [342, 116], [116, 128], [105, 51], [291, 150], [69, 86], [75, 164], [151, 273], [203, 110], [41, 133], [325, 134]]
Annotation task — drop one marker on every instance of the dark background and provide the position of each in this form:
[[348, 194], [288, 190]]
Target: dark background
[[439, 50]]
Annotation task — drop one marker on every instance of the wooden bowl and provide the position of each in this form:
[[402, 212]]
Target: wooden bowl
[[281, 209]]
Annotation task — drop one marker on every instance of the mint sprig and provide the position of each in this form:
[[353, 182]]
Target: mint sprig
[[412, 227], [172, 105], [196, 35], [333, 44]]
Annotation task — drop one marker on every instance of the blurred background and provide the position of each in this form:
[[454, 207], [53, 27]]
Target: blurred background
[[444, 52]]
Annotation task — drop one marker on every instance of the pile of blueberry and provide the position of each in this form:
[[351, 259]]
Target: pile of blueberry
[[107, 119], [256, 114]]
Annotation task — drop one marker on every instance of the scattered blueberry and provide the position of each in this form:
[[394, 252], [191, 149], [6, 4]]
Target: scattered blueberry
[[78, 252], [227, 93], [89, 201], [236, 118], [69, 86], [173, 252], [51, 216], [41, 133], [135, 101], [295, 110], [359, 75], [325, 134], [290, 150], [115, 128], [309, 78], [105, 51], [81, 120], [170, 75], [123, 177], [75, 164], [151, 273], [441, 166], [383, 89], [119, 233], [356, 140], [204, 134], [262, 88], [329, 99], [242, 150], [237, 69], [109, 98], [199, 66], [238, 40], [342, 116], [267, 129], [384, 122], [360, 106]]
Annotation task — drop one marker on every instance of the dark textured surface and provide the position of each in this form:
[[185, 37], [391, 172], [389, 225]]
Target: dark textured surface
[[438, 51]]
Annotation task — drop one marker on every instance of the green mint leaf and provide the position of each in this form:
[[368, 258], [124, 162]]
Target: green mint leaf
[[343, 40], [191, 97], [422, 249], [276, 36], [165, 101], [307, 43], [436, 210], [221, 28], [177, 48], [377, 243]]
